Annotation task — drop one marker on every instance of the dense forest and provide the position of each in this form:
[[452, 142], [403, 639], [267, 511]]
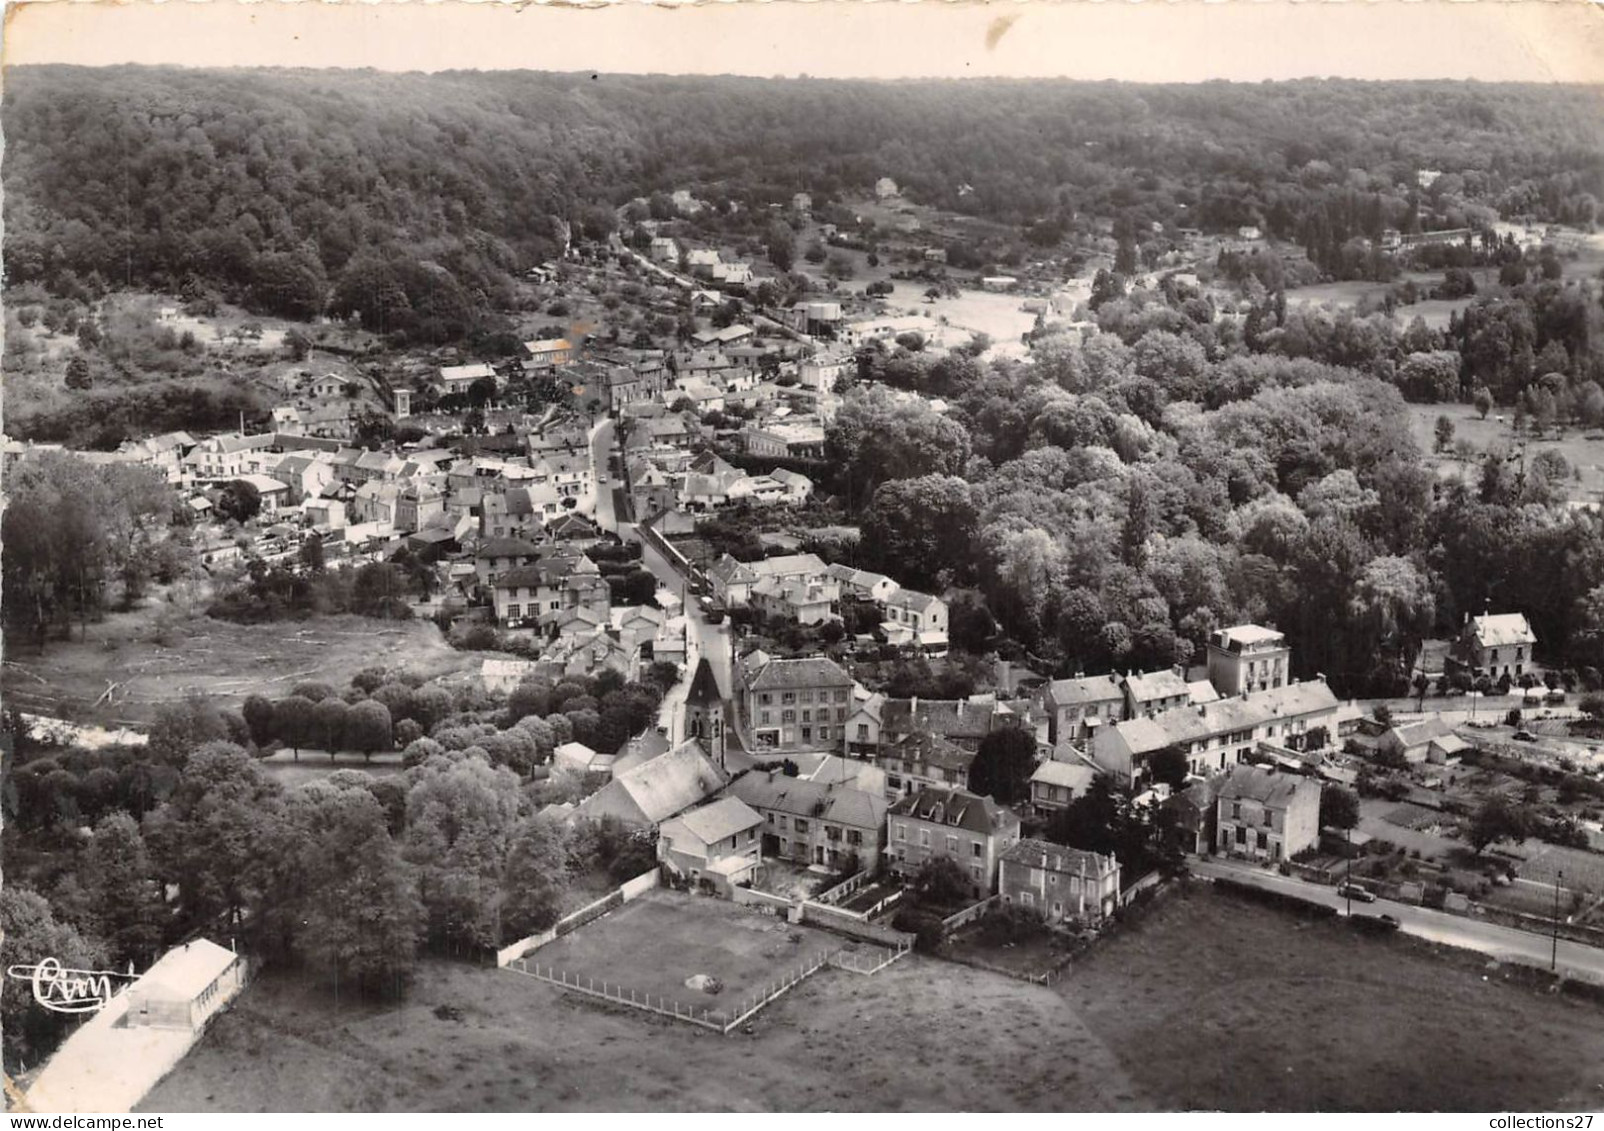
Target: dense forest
[[413, 199]]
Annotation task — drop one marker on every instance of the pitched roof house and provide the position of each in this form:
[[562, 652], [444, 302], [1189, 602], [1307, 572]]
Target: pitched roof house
[[715, 844], [971, 831], [814, 822], [1267, 815], [1066, 885], [650, 793]]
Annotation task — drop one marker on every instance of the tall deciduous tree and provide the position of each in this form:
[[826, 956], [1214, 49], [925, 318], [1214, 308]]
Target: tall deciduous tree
[[124, 901], [1003, 765], [535, 878]]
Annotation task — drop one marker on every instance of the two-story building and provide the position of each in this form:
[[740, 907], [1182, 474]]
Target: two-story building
[[733, 580], [546, 354], [1498, 644], [1149, 693], [716, 844], [813, 822], [971, 831], [797, 704], [545, 591], [1063, 885], [915, 760], [1214, 736], [794, 600], [1055, 784], [915, 619], [497, 556], [1077, 707], [862, 584], [1267, 815]]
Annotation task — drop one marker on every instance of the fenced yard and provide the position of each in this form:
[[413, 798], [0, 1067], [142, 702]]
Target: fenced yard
[[691, 958]]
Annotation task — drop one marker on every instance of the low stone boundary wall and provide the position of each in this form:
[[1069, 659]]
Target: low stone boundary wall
[[630, 889]]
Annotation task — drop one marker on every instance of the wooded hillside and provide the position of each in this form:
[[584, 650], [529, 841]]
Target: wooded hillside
[[293, 191]]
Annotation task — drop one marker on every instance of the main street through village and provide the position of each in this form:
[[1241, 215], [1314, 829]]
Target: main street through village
[[1574, 960]]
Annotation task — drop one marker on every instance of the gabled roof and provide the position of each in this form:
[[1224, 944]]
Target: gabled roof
[[912, 599], [788, 675], [773, 791], [955, 807], [952, 718], [1502, 630], [1274, 790], [507, 548], [1057, 858], [548, 345], [466, 372], [1083, 689], [1193, 723], [656, 790], [931, 750], [719, 820], [1148, 686], [187, 970], [1419, 733], [1070, 775]]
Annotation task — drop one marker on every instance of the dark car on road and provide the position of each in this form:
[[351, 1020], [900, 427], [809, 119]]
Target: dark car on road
[[1524, 736], [1356, 891]]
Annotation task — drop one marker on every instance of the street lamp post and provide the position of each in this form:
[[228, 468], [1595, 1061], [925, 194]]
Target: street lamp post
[[1347, 884], [1553, 957]]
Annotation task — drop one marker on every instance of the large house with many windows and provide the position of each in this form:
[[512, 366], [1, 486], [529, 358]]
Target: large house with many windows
[[1266, 815], [971, 831], [791, 705], [832, 823], [1063, 885]]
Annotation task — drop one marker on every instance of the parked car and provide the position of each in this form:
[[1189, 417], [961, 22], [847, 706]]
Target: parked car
[[1356, 891], [1524, 736]]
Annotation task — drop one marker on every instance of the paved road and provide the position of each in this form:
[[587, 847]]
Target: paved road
[[1505, 943], [603, 437], [701, 639]]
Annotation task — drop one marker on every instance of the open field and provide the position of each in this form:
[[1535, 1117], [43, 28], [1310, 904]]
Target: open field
[[906, 1037], [157, 652], [1217, 1004], [1578, 450], [1205, 1003], [651, 946]]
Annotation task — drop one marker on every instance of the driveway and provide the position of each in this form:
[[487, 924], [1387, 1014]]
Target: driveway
[[1504, 943]]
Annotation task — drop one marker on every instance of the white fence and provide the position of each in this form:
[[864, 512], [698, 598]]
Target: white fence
[[846, 887], [968, 914], [720, 1021], [762, 900], [629, 890], [870, 962]]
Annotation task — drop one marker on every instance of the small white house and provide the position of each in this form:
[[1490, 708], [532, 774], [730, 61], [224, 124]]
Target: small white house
[[186, 987]]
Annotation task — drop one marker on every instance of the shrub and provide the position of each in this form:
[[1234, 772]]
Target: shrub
[[926, 929]]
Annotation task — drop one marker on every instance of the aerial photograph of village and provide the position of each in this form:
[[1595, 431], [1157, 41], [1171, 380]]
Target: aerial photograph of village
[[530, 589]]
